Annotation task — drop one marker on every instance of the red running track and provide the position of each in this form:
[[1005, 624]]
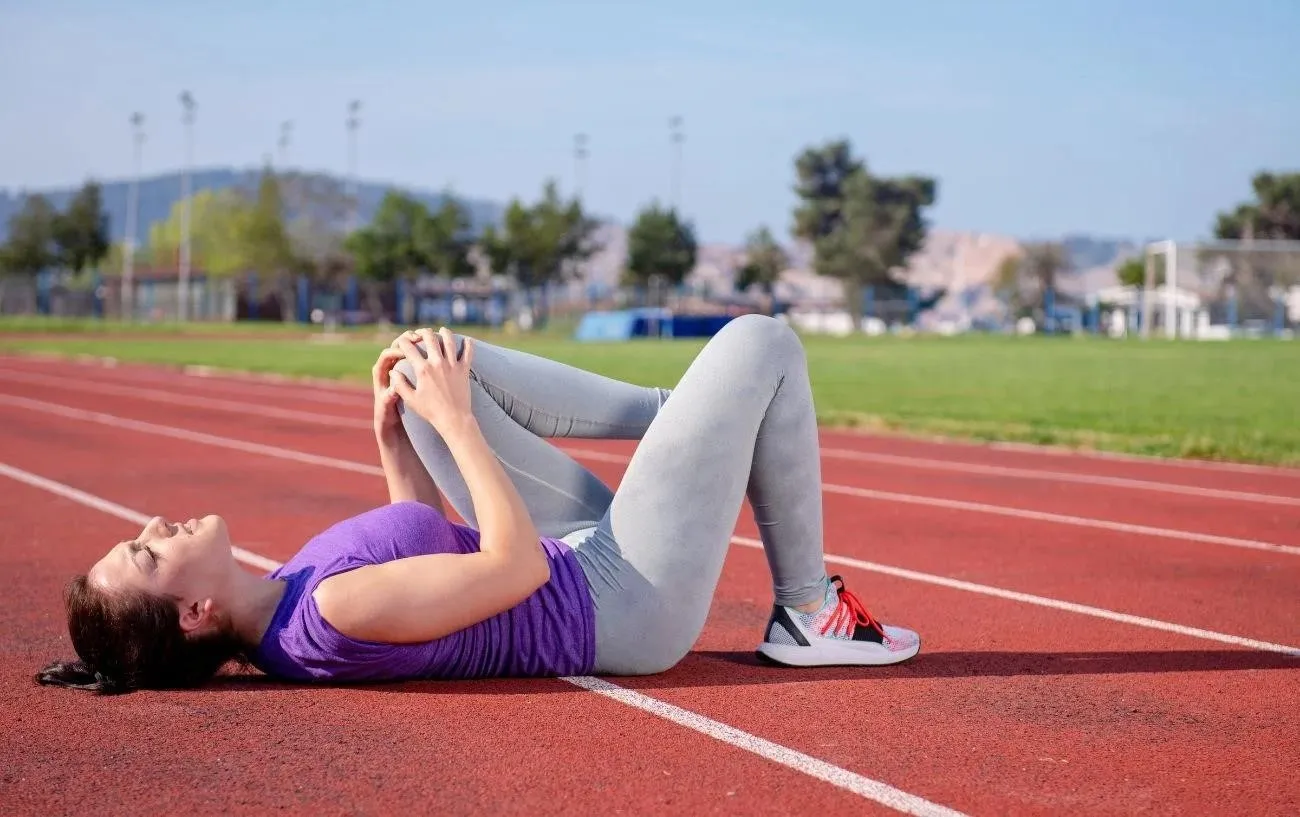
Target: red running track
[[1012, 708]]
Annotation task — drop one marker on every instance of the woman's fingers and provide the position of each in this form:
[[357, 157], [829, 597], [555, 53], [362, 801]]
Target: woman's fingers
[[448, 344], [409, 334], [387, 360], [411, 352], [434, 346], [402, 387], [467, 354]]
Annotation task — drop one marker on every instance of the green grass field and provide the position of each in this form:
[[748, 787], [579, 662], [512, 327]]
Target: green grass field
[[1235, 400]]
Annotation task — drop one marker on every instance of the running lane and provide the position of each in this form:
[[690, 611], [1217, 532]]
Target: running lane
[[907, 725], [1210, 585], [245, 745], [337, 398]]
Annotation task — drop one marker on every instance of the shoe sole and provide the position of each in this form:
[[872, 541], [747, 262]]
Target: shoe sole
[[796, 656]]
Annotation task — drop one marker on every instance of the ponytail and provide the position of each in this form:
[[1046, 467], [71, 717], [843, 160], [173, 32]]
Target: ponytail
[[129, 640], [77, 675]]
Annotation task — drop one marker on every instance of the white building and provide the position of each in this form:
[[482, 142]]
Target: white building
[[1120, 307]]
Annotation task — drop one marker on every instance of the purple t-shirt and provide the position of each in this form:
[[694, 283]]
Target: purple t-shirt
[[550, 633]]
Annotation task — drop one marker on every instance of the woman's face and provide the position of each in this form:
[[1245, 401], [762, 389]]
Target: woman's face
[[188, 561]]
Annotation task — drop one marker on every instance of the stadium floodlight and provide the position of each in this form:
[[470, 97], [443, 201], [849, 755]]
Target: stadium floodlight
[[183, 289], [132, 218], [354, 206], [676, 137]]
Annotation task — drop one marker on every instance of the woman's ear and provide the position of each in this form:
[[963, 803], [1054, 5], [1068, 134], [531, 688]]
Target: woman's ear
[[197, 616]]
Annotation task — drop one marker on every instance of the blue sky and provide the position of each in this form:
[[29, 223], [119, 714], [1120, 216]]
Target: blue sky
[[1138, 118]]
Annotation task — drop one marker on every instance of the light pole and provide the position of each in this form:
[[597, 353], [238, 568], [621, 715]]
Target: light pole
[[676, 136], [580, 154], [183, 291], [132, 218], [353, 122], [286, 130]]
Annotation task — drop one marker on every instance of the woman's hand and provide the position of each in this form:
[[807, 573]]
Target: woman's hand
[[388, 423], [440, 393]]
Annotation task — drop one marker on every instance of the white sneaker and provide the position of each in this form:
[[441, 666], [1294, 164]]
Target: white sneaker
[[842, 633]]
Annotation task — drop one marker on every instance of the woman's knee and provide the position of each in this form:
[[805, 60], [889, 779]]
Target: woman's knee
[[764, 338], [763, 329]]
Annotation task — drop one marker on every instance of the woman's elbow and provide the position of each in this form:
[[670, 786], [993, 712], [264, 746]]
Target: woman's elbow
[[525, 571], [541, 570]]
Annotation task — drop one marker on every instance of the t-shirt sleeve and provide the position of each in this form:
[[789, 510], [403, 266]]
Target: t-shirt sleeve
[[387, 534]]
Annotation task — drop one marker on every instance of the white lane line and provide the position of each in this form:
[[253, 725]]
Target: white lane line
[[257, 409], [1062, 519], [1044, 601], [1003, 510], [1146, 459], [928, 578], [239, 407], [1063, 452], [190, 436], [864, 787], [114, 509], [885, 496], [204, 377], [1057, 476]]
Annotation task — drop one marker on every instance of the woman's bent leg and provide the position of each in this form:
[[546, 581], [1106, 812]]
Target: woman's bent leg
[[741, 421], [518, 399]]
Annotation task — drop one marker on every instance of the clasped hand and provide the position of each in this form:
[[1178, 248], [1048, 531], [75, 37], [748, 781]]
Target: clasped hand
[[440, 393]]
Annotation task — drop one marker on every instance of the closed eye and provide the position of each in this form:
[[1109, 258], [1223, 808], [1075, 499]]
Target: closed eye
[[136, 547]]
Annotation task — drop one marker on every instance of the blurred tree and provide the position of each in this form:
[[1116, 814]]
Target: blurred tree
[[265, 244], [217, 220], [446, 239], [1133, 272], [661, 248], [1252, 278], [540, 244], [114, 260], [393, 246], [315, 230], [30, 247], [821, 173], [765, 260], [81, 230], [1024, 278], [863, 228], [1274, 214]]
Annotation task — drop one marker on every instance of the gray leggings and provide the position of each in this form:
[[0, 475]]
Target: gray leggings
[[740, 422]]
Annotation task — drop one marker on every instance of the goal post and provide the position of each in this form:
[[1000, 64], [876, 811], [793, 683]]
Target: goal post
[[1211, 290]]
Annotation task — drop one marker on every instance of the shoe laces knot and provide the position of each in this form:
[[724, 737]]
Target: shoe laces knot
[[849, 612]]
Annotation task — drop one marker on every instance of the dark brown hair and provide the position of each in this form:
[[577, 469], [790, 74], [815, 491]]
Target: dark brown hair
[[133, 640]]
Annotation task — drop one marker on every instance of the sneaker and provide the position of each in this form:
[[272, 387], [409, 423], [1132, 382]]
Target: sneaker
[[841, 633]]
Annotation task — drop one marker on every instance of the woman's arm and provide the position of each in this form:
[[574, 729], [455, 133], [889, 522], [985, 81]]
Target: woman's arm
[[406, 476], [426, 597]]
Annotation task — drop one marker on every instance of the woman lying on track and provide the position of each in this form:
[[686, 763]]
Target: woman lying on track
[[554, 575]]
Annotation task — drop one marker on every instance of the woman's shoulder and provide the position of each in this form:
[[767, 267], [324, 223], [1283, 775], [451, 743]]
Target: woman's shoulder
[[379, 535], [300, 645]]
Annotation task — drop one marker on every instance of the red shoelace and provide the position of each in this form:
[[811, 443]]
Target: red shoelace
[[848, 612]]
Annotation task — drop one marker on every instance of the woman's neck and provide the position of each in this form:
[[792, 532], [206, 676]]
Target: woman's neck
[[254, 600]]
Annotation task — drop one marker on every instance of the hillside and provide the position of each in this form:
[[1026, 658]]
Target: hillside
[[159, 193]]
